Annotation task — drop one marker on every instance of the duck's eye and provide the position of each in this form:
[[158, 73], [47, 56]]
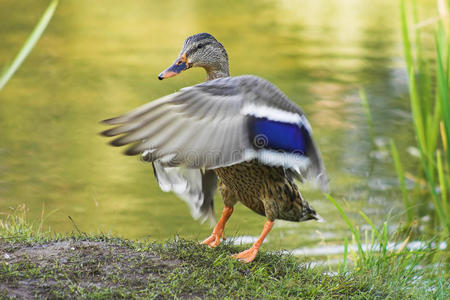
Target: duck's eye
[[199, 46]]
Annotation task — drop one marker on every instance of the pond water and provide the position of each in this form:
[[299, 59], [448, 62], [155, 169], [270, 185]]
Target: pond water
[[98, 60]]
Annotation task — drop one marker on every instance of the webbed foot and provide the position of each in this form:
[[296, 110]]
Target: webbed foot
[[214, 239], [247, 256]]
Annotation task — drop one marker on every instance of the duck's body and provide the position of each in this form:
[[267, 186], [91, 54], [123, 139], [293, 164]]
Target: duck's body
[[241, 130], [264, 189]]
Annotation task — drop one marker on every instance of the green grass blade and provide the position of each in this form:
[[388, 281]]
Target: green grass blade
[[416, 111], [435, 197], [423, 82], [405, 35], [374, 229], [401, 180], [443, 186], [442, 81], [43, 218], [349, 224], [29, 44], [385, 238], [343, 266], [417, 38], [435, 121]]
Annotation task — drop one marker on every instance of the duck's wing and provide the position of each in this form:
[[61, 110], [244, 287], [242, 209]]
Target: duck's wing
[[280, 131], [183, 134], [220, 123], [196, 187], [197, 127]]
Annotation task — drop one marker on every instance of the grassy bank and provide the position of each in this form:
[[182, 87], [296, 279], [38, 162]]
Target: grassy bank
[[41, 264]]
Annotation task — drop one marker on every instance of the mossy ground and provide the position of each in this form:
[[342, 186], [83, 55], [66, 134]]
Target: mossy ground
[[102, 267], [35, 264]]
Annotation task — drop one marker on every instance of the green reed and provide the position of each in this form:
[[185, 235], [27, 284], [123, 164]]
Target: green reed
[[430, 108], [372, 246], [387, 256], [401, 179], [29, 44]]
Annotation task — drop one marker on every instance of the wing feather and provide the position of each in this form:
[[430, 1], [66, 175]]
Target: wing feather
[[205, 126], [136, 113]]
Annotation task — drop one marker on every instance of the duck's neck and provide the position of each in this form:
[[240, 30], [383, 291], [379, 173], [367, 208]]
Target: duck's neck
[[217, 72]]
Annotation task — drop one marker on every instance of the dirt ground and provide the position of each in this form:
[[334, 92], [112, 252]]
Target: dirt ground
[[76, 267]]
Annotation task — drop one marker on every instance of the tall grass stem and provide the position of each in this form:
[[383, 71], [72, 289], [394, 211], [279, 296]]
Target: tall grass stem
[[29, 44]]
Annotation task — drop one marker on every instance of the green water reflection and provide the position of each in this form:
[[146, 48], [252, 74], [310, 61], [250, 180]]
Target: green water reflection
[[99, 59]]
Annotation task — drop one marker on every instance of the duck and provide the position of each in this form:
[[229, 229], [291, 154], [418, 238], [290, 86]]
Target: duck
[[240, 134]]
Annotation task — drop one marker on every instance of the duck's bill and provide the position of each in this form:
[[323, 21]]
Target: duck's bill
[[178, 66]]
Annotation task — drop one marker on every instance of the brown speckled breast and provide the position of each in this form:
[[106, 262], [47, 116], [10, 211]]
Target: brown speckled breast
[[264, 189]]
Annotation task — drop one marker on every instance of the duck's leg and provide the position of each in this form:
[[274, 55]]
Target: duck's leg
[[214, 239], [250, 254]]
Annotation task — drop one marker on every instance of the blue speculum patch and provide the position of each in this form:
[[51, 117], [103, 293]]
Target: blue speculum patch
[[281, 136]]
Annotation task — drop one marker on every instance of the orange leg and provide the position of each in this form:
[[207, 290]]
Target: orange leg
[[214, 239], [250, 254]]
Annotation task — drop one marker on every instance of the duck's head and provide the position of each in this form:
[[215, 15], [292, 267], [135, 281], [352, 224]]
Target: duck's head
[[200, 50]]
